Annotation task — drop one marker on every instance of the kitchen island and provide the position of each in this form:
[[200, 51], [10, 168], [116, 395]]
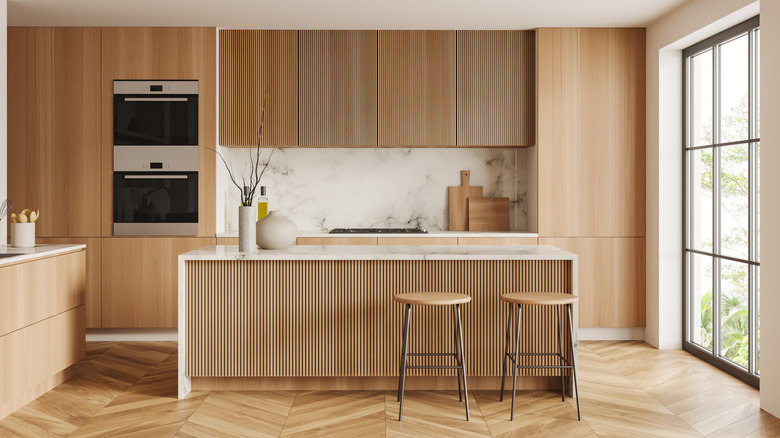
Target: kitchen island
[[322, 317]]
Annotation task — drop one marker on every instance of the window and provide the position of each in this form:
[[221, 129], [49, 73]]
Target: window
[[721, 243]]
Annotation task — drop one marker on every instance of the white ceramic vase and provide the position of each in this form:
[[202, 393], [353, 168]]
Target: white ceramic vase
[[23, 235], [247, 216], [276, 231]]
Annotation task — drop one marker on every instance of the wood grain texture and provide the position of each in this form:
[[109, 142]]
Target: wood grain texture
[[338, 88], [336, 241], [458, 201], [417, 240], [140, 280], [497, 240], [488, 214], [591, 98], [30, 121], [496, 81], [417, 71], [33, 291], [94, 260], [251, 62], [162, 53], [611, 279], [337, 318], [227, 240], [32, 357]]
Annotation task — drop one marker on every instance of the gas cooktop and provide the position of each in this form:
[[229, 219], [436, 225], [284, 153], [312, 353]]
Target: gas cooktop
[[417, 230]]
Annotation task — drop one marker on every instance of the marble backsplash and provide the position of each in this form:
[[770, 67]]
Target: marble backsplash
[[320, 188]]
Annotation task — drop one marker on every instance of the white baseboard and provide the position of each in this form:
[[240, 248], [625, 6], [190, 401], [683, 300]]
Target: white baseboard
[[611, 334], [123, 335]]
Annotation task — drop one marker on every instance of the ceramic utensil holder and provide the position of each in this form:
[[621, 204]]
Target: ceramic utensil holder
[[23, 235], [247, 217]]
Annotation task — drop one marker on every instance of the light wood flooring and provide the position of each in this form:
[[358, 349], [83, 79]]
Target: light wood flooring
[[628, 389]]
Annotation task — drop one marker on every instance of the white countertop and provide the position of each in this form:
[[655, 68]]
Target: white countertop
[[39, 251], [323, 233], [385, 252]]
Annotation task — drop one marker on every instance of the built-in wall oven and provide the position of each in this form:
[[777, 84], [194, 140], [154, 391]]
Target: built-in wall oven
[[155, 158]]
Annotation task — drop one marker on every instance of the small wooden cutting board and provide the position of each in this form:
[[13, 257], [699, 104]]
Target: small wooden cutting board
[[488, 214], [459, 195]]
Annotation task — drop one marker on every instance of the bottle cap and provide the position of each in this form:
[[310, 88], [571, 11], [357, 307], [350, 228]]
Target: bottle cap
[[262, 190]]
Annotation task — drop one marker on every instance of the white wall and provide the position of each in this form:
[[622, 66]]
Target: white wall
[[666, 38], [770, 207], [3, 114]]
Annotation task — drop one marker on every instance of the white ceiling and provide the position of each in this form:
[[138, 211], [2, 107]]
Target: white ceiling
[[340, 14]]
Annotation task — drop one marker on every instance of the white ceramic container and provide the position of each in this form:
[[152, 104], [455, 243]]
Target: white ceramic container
[[247, 216], [276, 231], [23, 235]]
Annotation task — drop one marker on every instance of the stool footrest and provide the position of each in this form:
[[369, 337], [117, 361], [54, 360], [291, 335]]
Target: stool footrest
[[432, 367]]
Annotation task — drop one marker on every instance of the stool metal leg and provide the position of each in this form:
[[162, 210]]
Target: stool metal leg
[[506, 350], [403, 364], [462, 361], [560, 352], [458, 359], [517, 350], [573, 363], [403, 353]]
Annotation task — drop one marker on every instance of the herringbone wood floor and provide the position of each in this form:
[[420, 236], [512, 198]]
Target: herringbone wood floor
[[628, 389]]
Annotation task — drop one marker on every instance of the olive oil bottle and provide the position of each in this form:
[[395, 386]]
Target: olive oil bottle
[[262, 204]]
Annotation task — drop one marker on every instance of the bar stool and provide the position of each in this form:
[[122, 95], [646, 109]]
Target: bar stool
[[433, 299], [558, 300]]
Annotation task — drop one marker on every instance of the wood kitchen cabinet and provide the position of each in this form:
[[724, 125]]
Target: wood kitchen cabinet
[[140, 280], [164, 53], [496, 81], [252, 62], [338, 88], [417, 88], [591, 145], [54, 129]]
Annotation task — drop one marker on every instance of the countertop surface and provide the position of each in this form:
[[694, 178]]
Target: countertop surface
[[321, 233], [385, 252], [28, 254]]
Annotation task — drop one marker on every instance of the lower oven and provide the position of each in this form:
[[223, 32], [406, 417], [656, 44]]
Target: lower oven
[[155, 203]]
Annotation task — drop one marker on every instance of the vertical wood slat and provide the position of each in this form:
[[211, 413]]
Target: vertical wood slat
[[338, 88], [417, 88], [496, 83], [337, 318], [250, 62]]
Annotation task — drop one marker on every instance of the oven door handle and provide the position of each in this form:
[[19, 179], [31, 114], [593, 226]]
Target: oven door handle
[[155, 99], [156, 176]]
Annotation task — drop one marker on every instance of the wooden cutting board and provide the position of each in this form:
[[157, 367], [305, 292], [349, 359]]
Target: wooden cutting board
[[488, 214], [459, 216]]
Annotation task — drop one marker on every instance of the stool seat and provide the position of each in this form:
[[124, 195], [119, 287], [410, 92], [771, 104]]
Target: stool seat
[[432, 298], [539, 298]]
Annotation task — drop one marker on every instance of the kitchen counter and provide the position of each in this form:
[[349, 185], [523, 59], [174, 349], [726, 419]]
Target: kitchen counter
[[18, 255], [323, 317], [385, 252], [322, 233]]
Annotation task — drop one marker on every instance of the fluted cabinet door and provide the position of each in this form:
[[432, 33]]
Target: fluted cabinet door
[[338, 88], [254, 64], [417, 88], [496, 83]]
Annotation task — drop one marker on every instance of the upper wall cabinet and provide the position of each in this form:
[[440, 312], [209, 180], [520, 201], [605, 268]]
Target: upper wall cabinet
[[251, 64], [54, 128], [172, 53], [496, 82], [338, 88], [417, 88], [591, 132]]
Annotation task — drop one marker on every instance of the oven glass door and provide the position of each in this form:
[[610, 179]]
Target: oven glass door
[[143, 197], [156, 120]]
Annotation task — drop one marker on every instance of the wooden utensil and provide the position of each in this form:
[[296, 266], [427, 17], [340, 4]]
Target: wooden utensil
[[458, 196], [488, 214]]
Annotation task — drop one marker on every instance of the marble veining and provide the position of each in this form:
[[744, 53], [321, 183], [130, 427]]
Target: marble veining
[[381, 252], [324, 188]]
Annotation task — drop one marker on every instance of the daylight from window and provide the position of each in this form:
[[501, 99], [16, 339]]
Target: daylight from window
[[722, 209]]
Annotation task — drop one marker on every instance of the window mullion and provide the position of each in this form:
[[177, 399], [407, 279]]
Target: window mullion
[[716, 201]]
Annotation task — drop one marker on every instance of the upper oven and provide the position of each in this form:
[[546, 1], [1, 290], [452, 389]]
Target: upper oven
[[155, 121]]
